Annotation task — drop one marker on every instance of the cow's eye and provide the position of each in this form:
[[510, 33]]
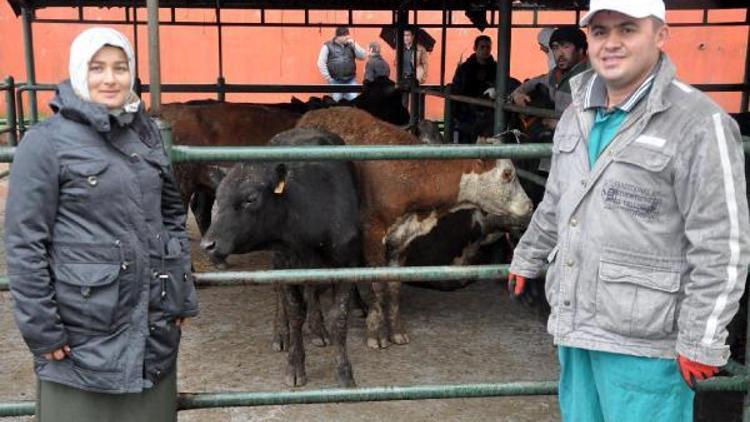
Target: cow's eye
[[250, 200]]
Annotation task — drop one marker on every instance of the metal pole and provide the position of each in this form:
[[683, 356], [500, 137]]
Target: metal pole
[[402, 15], [28, 43], [135, 41], [503, 62], [153, 56], [443, 36], [10, 108], [447, 116], [745, 103], [166, 135], [220, 95]]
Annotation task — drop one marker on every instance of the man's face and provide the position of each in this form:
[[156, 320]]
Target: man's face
[[623, 49], [408, 38], [566, 54], [483, 50], [342, 39]]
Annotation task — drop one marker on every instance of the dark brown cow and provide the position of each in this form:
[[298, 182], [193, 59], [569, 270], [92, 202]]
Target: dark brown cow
[[391, 189]]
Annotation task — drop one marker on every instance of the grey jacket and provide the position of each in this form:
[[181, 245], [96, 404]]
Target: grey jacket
[[648, 251], [559, 92], [376, 67], [98, 257]]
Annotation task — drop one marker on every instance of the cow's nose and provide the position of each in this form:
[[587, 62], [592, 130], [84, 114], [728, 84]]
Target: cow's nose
[[208, 244]]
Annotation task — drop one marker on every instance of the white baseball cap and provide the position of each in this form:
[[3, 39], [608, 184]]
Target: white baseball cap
[[634, 8]]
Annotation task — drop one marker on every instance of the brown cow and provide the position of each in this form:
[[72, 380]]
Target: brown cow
[[390, 189]]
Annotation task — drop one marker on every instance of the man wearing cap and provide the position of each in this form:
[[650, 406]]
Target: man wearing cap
[[644, 225], [336, 61], [568, 46], [542, 38]]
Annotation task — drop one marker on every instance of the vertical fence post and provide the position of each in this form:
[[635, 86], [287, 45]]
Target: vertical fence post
[[10, 110], [447, 116], [165, 129], [503, 62], [154, 83], [28, 43], [745, 103]]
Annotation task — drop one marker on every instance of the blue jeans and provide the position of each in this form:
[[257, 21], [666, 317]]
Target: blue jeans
[[610, 387], [348, 95]]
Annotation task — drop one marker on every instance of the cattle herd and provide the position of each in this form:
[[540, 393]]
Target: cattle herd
[[331, 214]]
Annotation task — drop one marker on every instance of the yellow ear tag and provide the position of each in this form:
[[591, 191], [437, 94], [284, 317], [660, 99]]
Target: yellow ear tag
[[280, 188]]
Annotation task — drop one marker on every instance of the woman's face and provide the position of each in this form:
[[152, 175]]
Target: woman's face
[[109, 77]]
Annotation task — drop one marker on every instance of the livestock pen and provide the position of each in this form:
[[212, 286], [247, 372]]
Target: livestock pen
[[737, 382]]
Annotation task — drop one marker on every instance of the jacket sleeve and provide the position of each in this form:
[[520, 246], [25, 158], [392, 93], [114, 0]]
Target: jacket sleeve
[[29, 218], [422, 64], [529, 85], [359, 52], [540, 238], [710, 191], [323, 63]]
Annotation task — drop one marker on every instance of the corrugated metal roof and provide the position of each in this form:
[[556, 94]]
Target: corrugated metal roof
[[362, 5]]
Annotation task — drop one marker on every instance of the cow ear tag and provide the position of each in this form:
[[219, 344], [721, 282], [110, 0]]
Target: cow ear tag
[[279, 189]]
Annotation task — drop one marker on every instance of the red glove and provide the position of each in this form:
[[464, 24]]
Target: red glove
[[691, 370], [516, 284]]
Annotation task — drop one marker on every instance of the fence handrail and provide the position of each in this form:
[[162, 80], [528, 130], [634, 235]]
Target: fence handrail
[[188, 401]]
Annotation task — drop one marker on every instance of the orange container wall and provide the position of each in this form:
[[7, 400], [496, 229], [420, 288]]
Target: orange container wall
[[287, 55]]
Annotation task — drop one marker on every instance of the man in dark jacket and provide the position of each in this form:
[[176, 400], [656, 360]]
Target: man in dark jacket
[[336, 61], [476, 78]]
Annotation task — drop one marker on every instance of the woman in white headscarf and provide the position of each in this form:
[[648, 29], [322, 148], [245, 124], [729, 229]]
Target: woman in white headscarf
[[98, 257]]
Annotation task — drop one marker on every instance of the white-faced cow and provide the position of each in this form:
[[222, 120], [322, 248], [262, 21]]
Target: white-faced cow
[[391, 189], [307, 212]]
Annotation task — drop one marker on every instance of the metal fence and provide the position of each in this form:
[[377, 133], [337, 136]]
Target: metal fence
[[737, 381]]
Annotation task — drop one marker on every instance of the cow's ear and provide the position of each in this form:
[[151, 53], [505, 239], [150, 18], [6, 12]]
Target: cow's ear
[[281, 179]]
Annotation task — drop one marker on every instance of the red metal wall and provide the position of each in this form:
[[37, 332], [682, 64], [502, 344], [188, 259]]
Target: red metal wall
[[287, 55]]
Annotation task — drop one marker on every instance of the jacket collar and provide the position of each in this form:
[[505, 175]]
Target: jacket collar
[[655, 102], [72, 107]]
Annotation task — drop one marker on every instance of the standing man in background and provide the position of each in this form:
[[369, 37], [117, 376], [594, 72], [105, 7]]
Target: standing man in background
[[414, 55], [336, 61], [644, 225]]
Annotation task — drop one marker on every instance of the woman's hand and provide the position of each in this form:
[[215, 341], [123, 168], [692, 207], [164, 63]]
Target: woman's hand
[[58, 354]]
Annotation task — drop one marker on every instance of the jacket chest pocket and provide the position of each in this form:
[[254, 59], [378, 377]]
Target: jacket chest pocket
[[637, 300], [87, 295], [636, 158], [85, 181]]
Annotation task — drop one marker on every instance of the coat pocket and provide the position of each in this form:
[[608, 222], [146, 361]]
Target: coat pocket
[[551, 283], [83, 179], [87, 295], [171, 285], [637, 300]]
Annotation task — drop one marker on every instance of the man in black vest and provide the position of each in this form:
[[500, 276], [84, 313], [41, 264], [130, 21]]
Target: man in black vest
[[336, 61]]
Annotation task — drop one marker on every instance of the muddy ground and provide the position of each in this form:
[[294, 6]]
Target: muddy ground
[[472, 335], [467, 336]]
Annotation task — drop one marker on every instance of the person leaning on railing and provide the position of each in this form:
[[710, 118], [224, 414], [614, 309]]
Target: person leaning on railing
[[644, 225], [97, 253]]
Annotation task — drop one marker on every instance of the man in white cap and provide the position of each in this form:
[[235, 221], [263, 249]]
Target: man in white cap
[[644, 225]]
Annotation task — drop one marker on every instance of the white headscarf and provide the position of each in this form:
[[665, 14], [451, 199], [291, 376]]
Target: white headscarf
[[83, 49]]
